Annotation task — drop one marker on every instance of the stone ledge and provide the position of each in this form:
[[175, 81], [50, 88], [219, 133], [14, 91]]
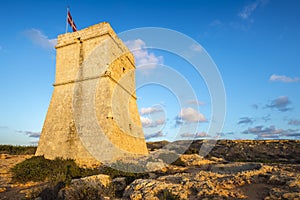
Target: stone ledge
[[85, 34]]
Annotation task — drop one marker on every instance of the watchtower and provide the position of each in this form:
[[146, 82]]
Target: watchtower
[[93, 114]]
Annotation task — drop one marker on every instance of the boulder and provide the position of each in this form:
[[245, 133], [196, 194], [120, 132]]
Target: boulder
[[119, 184], [155, 166], [92, 187], [100, 179]]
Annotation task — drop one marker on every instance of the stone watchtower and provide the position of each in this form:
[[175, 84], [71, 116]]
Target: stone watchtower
[[93, 115]]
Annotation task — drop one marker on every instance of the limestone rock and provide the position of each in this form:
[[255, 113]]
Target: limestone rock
[[92, 187], [154, 166], [4, 156], [291, 196], [200, 178], [2, 189], [100, 179], [234, 168], [119, 184]]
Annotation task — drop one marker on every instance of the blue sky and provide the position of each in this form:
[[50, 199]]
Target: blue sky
[[254, 43]]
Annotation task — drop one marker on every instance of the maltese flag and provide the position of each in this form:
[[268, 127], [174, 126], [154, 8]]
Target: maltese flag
[[71, 22]]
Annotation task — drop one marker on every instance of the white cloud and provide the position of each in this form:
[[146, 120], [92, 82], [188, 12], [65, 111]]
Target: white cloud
[[190, 115], [160, 121], [150, 110], [149, 123], [283, 78], [250, 8], [196, 48], [145, 121], [38, 38], [193, 50], [142, 56], [195, 102]]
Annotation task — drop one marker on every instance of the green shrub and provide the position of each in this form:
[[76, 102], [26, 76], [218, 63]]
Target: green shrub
[[17, 150], [38, 168]]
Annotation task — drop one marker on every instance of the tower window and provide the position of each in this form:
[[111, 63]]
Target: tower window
[[123, 69]]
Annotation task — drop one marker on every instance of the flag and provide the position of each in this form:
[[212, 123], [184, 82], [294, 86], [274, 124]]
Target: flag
[[71, 22]]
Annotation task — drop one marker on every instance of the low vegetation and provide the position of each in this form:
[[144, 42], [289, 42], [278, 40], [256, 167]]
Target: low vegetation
[[17, 150], [38, 168], [60, 172]]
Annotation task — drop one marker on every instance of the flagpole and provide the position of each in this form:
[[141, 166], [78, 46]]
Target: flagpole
[[67, 20]]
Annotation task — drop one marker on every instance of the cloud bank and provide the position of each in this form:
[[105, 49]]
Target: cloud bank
[[31, 133], [149, 123], [283, 78], [190, 115], [245, 120], [271, 132], [150, 110], [281, 103], [154, 135]]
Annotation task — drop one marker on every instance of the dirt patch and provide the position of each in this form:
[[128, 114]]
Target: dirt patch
[[255, 191], [9, 190]]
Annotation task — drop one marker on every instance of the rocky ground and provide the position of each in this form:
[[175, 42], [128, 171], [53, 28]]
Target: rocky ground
[[232, 170], [8, 189]]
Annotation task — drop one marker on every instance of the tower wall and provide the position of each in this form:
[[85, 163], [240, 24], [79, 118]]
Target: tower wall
[[93, 69]]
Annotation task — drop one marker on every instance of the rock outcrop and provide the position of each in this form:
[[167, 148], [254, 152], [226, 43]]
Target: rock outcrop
[[220, 175], [267, 151]]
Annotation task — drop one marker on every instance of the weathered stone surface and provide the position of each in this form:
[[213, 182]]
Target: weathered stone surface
[[154, 166], [195, 160], [4, 156], [291, 196], [93, 110], [92, 187], [201, 178], [100, 179], [234, 168], [241, 181], [267, 151], [119, 183]]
